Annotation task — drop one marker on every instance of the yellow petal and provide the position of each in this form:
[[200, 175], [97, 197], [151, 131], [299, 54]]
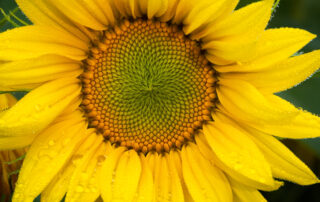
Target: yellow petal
[[238, 155], [46, 156], [6, 101], [58, 186], [245, 102], [105, 7], [203, 13], [156, 8], [303, 125], [15, 142], [84, 186], [176, 191], [243, 193], [125, 7], [127, 175], [235, 37], [169, 14], [42, 12], [250, 20], [284, 164], [274, 45], [283, 75], [28, 74], [86, 13], [34, 41], [166, 180], [161, 179], [107, 174], [182, 10], [224, 12], [204, 181], [145, 188], [35, 111]]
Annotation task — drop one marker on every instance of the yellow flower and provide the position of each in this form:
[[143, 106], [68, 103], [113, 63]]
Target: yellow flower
[[8, 166], [154, 100]]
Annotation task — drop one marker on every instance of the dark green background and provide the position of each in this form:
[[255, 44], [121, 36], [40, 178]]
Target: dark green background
[[303, 14]]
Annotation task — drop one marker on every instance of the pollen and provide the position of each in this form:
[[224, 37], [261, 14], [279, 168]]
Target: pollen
[[147, 86]]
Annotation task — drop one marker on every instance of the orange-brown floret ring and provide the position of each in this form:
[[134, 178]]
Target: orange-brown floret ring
[[147, 86]]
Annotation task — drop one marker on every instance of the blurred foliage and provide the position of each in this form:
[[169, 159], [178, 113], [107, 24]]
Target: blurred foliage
[[304, 14]]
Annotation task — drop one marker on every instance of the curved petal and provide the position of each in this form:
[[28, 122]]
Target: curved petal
[[31, 73], [87, 13], [284, 164], [176, 183], [58, 186], [47, 154], [169, 14], [235, 38], [283, 75], [34, 41], [203, 13], [204, 181], [7, 143], [84, 186], [43, 12], [274, 45], [127, 175], [243, 193], [245, 102], [6, 101], [167, 186], [146, 186], [107, 177], [238, 155], [303, 125], [156, 8], [35, 111]]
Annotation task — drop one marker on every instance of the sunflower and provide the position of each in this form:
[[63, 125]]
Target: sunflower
[[154, 100], [9, 165]]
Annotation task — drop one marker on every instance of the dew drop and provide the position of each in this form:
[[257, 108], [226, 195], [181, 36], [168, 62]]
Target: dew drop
[[51, 142], [79, 188]]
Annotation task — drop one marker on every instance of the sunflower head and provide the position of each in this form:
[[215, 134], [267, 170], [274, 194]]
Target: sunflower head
[[154, 100], [147, 86]]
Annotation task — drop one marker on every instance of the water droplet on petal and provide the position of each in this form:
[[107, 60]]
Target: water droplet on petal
[[79, 188], [51, 142]]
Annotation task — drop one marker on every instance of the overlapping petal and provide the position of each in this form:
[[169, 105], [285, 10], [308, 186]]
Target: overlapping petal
[[6, 101], [235, 38], [39, 108], [145, 188], [28, 74], [59, 185], [35, 40], [204, 181], [283, 75], [202, 13], [239, 156], [274, 46], [84, 182], [46, 156], [43, 12], [245, 102], [284, 164], [302, 125], [243, 193], [87, 13]]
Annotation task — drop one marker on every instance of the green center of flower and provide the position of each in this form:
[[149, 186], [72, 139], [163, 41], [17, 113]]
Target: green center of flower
[[146, 86]]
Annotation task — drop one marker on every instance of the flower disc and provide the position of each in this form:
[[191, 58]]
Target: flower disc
[[147, 86]]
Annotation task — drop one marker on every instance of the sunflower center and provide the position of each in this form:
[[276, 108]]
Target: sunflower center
[[147, 86]]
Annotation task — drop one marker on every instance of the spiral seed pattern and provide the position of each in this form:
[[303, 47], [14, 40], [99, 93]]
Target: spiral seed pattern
[[147, 86]]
